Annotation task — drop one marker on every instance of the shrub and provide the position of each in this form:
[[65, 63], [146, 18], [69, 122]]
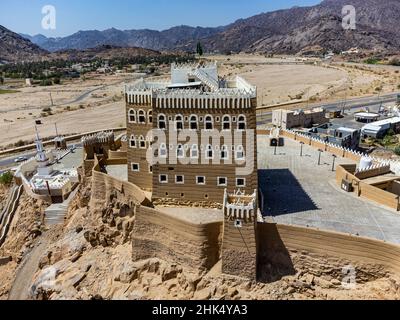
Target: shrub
[[48, 109], [397, 150], [6, 178]]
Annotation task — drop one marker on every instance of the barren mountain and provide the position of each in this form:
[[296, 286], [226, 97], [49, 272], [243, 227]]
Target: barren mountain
[[296, 29], [13, 47], [156, 40]]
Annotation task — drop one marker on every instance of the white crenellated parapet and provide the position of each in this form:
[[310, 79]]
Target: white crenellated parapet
[[240, 206]]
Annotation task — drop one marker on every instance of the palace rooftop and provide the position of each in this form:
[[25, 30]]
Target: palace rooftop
[[191, 80]]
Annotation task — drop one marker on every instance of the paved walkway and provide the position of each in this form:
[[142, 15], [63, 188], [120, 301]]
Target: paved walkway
[[299, 192]]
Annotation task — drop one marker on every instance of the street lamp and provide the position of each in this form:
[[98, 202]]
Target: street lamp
[[333, 163], [319, 156]]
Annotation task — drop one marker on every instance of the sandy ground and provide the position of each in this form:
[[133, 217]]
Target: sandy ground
[[286, 79], [78, 106]]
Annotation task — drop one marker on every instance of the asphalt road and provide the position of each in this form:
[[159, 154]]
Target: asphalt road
[[9, 162], [348, 104]]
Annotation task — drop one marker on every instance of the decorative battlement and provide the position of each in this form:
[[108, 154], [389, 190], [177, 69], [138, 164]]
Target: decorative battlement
[[240, 206], [105, 137], [194, 65]]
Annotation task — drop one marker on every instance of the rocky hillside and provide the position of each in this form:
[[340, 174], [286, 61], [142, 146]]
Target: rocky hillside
[[13, 47], [294, 30]]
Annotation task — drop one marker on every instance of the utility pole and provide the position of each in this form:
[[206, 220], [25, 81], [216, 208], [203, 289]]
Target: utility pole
[[319, 157], [301, 148], [51, 100], [333, 164]]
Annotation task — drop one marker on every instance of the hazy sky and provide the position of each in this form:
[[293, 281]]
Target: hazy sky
[[25, 16]]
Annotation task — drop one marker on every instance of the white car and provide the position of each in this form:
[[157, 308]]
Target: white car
[[20, 159]]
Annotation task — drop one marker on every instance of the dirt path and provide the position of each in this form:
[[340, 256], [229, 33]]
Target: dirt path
[[26, 271]]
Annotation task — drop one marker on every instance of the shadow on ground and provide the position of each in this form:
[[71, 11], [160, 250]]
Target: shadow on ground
[[281, 193]]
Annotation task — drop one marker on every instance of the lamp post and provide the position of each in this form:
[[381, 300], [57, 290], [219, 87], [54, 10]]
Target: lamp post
[[333, 163], [319, 156], [301, 148]]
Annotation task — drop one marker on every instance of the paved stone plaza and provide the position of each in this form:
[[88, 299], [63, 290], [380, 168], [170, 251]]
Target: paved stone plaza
[[299, 192]]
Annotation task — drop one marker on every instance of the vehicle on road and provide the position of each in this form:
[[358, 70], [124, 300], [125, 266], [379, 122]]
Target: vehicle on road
[[20, 159]]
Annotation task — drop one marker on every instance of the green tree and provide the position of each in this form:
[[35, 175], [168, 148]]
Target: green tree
[[199, 49], [6, 178]]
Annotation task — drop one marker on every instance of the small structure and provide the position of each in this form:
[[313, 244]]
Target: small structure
[[379, 129], [42, 181], [337, 135], [289, 119], [28, 82], [366, 117]]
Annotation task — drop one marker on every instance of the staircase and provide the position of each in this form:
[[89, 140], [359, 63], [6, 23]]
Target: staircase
[[56, 213], [213, 84]]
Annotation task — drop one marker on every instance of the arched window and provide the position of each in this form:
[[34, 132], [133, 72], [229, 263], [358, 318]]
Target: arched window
[[141, 116], [179, 122], [194, 151], [226, 123], [224, 152], [132, 142], [180, 151], [142, 142], [194, 122], [162, 122], [132, 116], [209, 152], [240, 153], [209, 123], [150, 116], [163, 151], [242, 122]]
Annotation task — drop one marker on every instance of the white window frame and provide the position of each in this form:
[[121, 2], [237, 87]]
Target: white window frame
[[224, 184], [180, 147], [225, 148], [206, 121], [182, 122], [141, 113], [142, 139], [239, 122], [150, 116], [201, 184], [191, 122], [224, 121], [151, 169], [158, 121], [138, 167], [207, 157], [238, 149], [163, 175], [132, 112], [176, 179], [193, 148], [237, 184], [133, 139], [163, 146]]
